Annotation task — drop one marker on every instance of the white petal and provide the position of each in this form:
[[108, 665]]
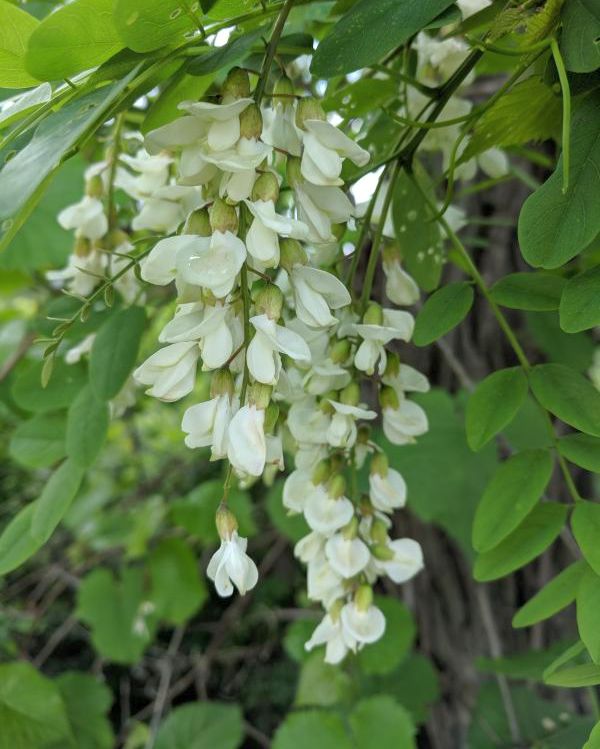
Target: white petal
[[364, 626], [331, 137], [247, 448], [347, 556]]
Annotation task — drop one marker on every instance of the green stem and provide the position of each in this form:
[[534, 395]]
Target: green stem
[[566, 113], [114, 162], [271, 50]]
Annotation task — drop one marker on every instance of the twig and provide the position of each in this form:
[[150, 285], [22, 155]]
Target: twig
[[166, 667]]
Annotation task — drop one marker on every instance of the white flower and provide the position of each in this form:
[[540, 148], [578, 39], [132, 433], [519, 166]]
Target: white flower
[[153, 173], [326, 514], [400, 287], [316, 293], [214, 264], [397, 324], [408, 379], [223, 120], [323, 583], [207, 325], [160, 266], [493, 162], [206, 425], [347, 556], [310, 548], [325, 148], [238, 185], [342, 429], [470, 7], [403, 424], [171, 371], [363, 626], [295, 490], [387, 492], [167, 208], [81, 274], [280, 129], [87, 217], [230, 564], [271, 340], [329, 632], [247, 449], [406, 562], [307, 423], [319, 207], [444, 55], [326, 376], [262, 237]]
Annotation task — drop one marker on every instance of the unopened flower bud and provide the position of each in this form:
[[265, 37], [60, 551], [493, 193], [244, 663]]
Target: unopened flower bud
[[251, 122], [340, 351], [380, 464], [223, 217], [293, 171], [382, 552], [321, 472], [379, 531], [363, 434], [350, 395], [117, 238], [373, 315], [309, 109], [291, 253], [336, 487], [266, 188], [269, 301], [199, 223], [221, 383], [388, 398], [82, 247], [350, 530], [94, 187], [284, 91], [365, 506], [237, 84], [259, 395], [392, 367], [226, 522], [363, 598], [271, 416]]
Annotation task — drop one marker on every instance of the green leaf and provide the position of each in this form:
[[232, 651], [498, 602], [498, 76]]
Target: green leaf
[[87, 701], [582, 450], [16, 27], [166, 108], [55, 499], [593, 741], [579, 39], [585, 675], [322, 685], [554, 227], [580, 302], [510, 496], [552, 598], [122, 622], [24, 175], [539, 529], [76, 37], [178, 591], [418, 237], [17, 543], [32, 713], [203, 725], [574, 349], [115, 351], [530, 664], [588, 611], [568, 395], [325, 730], [494, 404], [444, 310], [585, 522], [381, 722], [87, 425], [40, 441], [66, 381], [530, 111], [146, 26], [369, 31], [226, 56], [386, 654], [535, 291]]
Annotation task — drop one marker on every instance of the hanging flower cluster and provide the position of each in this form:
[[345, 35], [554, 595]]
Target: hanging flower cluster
[[258, 207]]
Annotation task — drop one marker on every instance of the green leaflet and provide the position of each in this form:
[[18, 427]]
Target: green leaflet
[[580, 302], [536, 292], [87, 425], [588, 610], [585, 522], [579, 40], [202, 724], [178, 591], [552, 598], [444, 310], [582, 450], [146, 26], [555, 227], [55, 499], [16, 27]]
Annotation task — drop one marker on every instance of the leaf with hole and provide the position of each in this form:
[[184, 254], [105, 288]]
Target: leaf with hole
[[146, 26]]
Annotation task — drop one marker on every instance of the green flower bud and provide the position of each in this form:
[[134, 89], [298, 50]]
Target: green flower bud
[[291, 253], [237, 84], [388, 398], [293, 171], [82, 247], [223, 217], [269, 301], [392, 367], [365, 506], [373, 315], [94, 187], [116, 238], [259, 395], [266, 188], [325, 406], [379, 533], [284, 91], [363, 598], [340, 351], [382, 552], [271, 416], [226, 522], [380, 464], [221, 383], [251, 122], [363, 434], [199, 223], [338, 462], [350, 531], [350, 395], [336, 487], [321, 472], [309, 109]]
